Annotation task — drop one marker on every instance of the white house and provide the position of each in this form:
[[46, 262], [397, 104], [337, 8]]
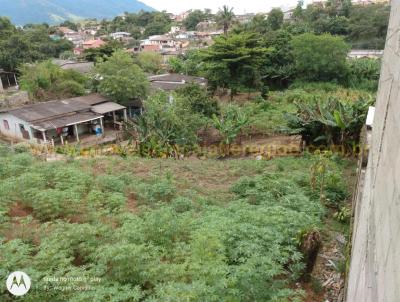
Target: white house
[[120, 35], [64, 120], [162, 40]]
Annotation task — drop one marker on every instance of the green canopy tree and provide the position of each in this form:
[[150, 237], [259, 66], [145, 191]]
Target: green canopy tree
[[234, 61], [120, 78], [194, 18], [320, 57], [28, 45], [275, 19], [150, 62]]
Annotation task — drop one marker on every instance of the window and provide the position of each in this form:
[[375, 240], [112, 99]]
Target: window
[[6, 125], [25, 134]]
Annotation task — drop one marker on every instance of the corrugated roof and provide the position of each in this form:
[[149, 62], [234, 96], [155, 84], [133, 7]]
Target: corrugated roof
[[167, 86], [91, 99], [47, 110], [107, 107], [174, 77], [67, 120]]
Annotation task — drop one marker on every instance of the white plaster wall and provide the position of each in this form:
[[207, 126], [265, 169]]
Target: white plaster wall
[[14, 131]]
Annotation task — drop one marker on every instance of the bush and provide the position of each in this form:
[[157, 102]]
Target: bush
[[167, 128], [162, 190], [326, 64], [329, 121], [110, 183], [52, 203], [364, 74], [198, 100]]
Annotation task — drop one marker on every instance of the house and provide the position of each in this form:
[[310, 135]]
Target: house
[[162, 40], [81, 67], [187, 35], [288, 14], [181, 17], [150, 48], [81, 119], [120, 35], [244, 19], [66, 31], [175, 29], [96, 43], [172, 81], [75, 37]]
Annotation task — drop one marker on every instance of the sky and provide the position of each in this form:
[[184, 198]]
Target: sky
[[240, 6]]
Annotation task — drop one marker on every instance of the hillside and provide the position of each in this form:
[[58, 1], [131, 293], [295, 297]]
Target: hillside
[[37, 11]]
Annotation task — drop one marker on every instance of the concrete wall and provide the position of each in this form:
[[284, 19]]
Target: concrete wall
[[375, 264]]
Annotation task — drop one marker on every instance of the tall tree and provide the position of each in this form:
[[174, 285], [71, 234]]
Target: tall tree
[[234, 61], [120, 78], [275, 19], [225, 18]]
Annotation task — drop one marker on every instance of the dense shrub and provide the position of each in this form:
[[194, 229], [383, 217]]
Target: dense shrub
[[329, 120]]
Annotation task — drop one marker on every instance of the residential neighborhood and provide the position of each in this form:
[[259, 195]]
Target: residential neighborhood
[[199, 151]]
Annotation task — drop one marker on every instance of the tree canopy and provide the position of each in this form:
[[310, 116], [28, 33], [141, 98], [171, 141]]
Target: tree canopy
[[234, 61], [320, 57], [120, 78], [46, 81], [27, 45]]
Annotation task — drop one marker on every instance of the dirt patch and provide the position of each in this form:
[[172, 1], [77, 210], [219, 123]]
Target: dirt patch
[[239, 98], [311, 295], [19, 210], [132, 205]]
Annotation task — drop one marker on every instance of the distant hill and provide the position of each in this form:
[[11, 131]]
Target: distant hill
[[55, 11]]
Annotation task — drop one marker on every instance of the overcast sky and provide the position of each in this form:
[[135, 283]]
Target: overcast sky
[[240, 6]]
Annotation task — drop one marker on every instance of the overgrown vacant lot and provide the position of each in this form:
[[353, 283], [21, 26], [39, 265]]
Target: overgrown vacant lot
[[163, 230]]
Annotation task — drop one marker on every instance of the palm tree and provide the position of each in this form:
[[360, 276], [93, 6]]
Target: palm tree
[[225, 17]]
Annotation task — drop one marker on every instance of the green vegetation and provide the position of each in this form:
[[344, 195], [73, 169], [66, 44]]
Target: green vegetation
[[160, 230], [27, 45], [167, 127], [225, 18], [195, 17], [364, 26], [233, 61], [150, 62], [46, 81], [153, 23], [120, 78], [330, 118], [174, 225], [320, 58]]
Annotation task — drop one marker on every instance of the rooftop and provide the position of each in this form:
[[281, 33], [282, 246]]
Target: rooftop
[[60, 113]]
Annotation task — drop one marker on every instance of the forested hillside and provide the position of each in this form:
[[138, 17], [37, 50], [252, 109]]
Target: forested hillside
[[22, 12]]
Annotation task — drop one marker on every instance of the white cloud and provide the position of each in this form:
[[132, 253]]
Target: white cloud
[[240, 6]]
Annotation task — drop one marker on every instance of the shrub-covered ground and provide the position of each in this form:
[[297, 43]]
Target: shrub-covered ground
[[162, 230]]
